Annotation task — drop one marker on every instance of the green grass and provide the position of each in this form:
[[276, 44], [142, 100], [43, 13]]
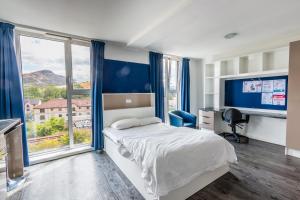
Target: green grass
[[81, 136]]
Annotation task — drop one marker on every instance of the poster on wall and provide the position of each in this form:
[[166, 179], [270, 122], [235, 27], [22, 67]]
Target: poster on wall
[[267, 98], [279, 93], [267, 86], [252, 86], [279, 86], [278, 100]]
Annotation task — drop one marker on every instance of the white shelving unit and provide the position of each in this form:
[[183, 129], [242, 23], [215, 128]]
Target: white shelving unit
[[209, 84], [273, 62], [227, 67], [276, 60]]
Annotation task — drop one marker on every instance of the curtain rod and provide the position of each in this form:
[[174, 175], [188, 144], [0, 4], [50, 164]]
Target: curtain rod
[[65, 35], [47, 32]]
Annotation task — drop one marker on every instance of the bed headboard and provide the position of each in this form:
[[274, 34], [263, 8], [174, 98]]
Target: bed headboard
[[127, 105]]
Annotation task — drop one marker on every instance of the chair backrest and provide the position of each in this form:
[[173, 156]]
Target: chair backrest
[[176, 112], [232, 116]]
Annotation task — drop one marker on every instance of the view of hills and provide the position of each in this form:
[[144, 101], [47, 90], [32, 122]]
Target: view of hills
[[43, 78]]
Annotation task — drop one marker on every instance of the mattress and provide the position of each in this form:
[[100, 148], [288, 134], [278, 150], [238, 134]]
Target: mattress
[[171, 157]]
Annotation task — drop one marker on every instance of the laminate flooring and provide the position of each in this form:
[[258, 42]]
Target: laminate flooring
[[263, 172]]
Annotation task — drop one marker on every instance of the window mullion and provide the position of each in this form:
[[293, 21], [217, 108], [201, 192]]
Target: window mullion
[[68, 58]]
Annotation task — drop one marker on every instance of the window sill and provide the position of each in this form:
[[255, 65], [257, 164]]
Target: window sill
[[36, 159]]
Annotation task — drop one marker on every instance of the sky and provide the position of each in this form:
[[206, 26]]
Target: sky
[[40, 54]]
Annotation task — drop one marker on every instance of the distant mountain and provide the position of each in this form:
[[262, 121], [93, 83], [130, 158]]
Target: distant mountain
[[43, 78]]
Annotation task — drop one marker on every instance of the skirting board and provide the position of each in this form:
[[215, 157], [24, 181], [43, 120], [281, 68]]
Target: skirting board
[[133, 173], [292, 152]]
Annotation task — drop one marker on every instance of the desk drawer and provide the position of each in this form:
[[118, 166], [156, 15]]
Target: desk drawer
[[207, 114], [206, 126], [209, 120]]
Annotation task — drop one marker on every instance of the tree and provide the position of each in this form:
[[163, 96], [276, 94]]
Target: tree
[[51, 126], [32, 92], [52, 92], [45, 93]]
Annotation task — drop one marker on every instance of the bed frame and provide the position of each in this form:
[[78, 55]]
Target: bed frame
[[133, 172]]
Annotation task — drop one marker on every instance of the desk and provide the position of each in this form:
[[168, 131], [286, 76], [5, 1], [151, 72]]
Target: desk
[[263, 125], [255, 112], [209, 117]]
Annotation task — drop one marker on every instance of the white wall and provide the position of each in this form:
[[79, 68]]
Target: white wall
[[120, 52], [196, 85], [267, 129]]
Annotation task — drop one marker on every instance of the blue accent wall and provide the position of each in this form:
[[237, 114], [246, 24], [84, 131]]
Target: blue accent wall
[[234, 96], [126, 77]]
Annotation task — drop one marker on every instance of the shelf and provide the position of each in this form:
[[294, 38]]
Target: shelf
[[210, 77], [276, 59], [278, 72], [227, 67], [210, 93], [272, 62], [209, 70], [208, 100]]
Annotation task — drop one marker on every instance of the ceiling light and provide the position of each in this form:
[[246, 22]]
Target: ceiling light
[[230, 35]]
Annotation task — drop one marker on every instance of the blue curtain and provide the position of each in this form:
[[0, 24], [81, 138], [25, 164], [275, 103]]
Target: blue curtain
[[157, 86], [97, 63], [185, 85], [11, 94]]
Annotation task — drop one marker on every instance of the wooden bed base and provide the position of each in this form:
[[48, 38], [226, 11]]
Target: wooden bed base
[[133, 173]]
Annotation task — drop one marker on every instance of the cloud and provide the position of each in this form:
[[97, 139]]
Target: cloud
[[81, 63], [38, 54]]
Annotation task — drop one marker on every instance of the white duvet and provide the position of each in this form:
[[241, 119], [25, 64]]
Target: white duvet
[[171, 157]]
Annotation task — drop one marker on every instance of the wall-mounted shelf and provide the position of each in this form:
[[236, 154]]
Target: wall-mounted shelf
[[210, 77], [273, 62], [227, 67], [209, 70], [210, 93], [279, 72], [209, 84], [276, 59]]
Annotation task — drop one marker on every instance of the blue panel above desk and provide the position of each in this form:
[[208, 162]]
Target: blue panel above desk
[[125, 77], [235, 95]]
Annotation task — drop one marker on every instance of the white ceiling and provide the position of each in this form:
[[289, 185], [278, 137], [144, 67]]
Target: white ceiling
[[192, 28]]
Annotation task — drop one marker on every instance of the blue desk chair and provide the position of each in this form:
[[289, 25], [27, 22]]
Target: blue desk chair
[[181, 118]]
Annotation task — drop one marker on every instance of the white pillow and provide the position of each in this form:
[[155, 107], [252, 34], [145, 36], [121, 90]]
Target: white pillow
[[149, 120], [125, 123]]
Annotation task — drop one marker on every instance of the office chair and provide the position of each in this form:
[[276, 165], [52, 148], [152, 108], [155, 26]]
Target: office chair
[[181, 118], [234, 118]]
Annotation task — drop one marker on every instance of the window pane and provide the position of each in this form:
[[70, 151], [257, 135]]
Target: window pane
[[81, 67], [173, 75], [82, 124], [44, 83], [173, 79]]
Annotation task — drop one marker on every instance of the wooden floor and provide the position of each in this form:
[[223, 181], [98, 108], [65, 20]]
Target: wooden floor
[[263, 173]]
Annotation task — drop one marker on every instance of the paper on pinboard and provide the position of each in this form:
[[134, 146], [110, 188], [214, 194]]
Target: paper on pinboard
[[252, 86], [278, 100], [279, 86], [267, 86], [267, 98]]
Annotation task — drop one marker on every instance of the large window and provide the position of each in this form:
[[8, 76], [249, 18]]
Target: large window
[[56, 83], [171, 80]]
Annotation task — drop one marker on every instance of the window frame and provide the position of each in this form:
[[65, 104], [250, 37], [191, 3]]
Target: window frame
[[167, 62], [74, 92], [67, 41]]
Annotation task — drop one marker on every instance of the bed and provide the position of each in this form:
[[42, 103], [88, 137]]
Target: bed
[[164, 162]]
